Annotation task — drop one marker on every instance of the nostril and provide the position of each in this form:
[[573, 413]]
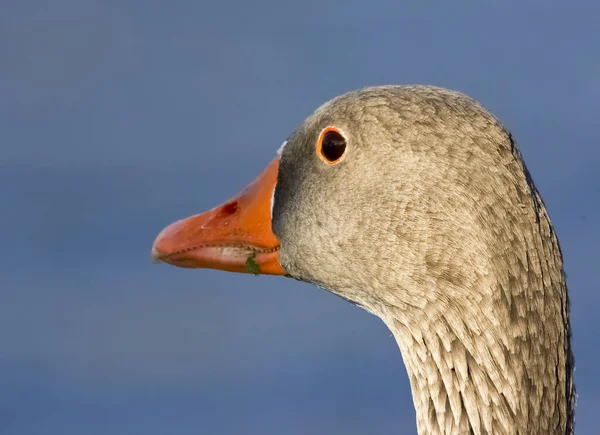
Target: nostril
[[228, 209]]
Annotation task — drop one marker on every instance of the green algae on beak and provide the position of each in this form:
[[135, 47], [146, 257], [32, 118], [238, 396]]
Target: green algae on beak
[[251, 265]]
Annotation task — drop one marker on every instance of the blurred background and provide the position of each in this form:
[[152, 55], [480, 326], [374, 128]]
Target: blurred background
[[118, 117]]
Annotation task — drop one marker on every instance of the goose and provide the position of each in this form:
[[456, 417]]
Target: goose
[[414, 203]]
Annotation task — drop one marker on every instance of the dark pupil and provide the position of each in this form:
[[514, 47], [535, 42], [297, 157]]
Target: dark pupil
[[333, 146]]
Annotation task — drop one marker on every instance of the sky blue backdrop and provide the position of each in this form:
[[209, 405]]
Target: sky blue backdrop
[[119, 117]]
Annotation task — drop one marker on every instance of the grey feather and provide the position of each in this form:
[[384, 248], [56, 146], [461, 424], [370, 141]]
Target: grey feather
[[459, 257]]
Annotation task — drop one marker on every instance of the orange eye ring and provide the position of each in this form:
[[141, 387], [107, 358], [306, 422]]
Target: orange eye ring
[[331, 145]]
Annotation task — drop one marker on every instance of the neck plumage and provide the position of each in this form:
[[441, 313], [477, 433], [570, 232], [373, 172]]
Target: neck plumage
[[499, 362], [479, 386]]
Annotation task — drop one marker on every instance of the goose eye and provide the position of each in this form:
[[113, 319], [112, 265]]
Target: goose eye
[[331, 145]]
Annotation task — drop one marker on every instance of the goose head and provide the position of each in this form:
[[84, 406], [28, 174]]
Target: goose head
[[414, 203]]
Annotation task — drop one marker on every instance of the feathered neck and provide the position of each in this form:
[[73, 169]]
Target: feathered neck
[[500, 362]]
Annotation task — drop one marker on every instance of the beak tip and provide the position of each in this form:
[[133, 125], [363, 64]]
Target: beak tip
[[155, 256]]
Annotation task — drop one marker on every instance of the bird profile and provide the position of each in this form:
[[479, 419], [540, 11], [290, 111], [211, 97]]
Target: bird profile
[[414, 203]]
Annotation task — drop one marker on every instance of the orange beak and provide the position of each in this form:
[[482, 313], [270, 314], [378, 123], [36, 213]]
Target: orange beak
[[235, 236]]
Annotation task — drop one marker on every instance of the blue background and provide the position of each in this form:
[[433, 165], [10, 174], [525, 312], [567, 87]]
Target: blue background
[[116, 118]]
